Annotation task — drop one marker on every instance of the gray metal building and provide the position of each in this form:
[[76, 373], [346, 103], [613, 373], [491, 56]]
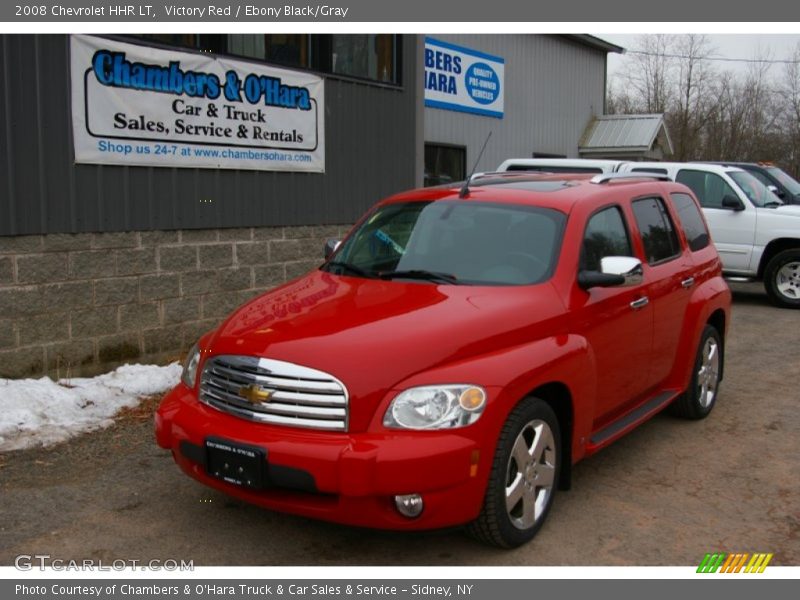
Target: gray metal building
[[554, 86], [102, 264], [370, 132]]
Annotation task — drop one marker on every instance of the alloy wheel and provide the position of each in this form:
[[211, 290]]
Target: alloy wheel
[[708, 374], [787, 280], [530, 475]]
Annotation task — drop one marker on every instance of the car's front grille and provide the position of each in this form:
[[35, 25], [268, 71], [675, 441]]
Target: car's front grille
[[275, 392]]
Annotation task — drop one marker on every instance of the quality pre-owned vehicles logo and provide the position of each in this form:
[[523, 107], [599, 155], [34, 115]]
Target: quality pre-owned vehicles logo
[[734, 562]]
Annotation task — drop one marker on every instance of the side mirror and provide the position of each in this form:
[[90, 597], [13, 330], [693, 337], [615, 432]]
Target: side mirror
[[331, 246], [615, 271], [732, 203]]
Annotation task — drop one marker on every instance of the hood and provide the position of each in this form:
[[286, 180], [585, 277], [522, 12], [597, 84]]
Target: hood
[[372, 334]]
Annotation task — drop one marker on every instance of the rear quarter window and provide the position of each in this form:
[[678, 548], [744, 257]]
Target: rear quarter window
[[691, 221], [655, 226]]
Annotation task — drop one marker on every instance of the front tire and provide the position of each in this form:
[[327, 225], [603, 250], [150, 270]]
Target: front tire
[[524, 477], [701, 396], [782, 279]]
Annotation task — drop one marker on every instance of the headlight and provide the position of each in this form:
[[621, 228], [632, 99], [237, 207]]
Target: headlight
[[190, 366], [436, 407]]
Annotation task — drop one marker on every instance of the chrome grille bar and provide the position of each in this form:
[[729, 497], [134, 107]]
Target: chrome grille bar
[[297, 385], [298, 396]]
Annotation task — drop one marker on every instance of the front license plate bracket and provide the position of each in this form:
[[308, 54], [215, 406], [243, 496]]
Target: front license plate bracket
[[235, 463]]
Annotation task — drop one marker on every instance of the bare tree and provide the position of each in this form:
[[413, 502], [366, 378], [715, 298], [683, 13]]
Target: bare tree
[[789, 91], [695, 102], [620, 102], [743, 124], [764, 112], [711, 114], [648, 81]]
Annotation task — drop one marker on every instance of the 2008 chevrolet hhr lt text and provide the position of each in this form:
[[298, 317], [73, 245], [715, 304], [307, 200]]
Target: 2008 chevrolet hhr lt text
[[457, 353]]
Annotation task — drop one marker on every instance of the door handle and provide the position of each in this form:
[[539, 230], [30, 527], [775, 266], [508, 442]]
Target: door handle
[[640, 303], [688, 282]]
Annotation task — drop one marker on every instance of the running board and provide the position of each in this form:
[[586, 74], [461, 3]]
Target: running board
[[628, 421]]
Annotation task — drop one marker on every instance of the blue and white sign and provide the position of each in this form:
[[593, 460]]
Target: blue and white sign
[[462, 79]]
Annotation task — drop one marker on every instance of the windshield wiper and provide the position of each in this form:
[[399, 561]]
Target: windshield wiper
[[773, 204], [421, 274], [348, 267]]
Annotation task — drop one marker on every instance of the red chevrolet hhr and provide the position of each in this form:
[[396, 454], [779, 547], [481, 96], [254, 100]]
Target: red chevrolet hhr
[[457, 353]]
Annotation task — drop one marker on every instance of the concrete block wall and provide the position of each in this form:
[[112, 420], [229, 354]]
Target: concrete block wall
[[81, 304]]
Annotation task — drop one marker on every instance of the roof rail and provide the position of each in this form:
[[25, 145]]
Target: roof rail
[[606, 177]]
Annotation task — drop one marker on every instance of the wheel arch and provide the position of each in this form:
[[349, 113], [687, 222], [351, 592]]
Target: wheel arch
[[559, 398], [774, 247]]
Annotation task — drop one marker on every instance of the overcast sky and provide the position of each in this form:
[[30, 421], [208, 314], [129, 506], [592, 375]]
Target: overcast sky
[[780, 47]]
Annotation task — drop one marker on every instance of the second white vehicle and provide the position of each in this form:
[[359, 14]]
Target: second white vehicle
[[560, 165], [757, 236]]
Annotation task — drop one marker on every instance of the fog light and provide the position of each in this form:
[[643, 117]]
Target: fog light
[[409, 505]]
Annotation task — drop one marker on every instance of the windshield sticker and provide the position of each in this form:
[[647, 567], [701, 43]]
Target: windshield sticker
[[384, 237]]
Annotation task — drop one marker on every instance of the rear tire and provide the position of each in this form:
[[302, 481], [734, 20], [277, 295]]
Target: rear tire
[[524, 477], [701, 396], [782, 279]]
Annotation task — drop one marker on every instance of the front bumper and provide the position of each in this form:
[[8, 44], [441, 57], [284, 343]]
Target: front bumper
[[347, 478]]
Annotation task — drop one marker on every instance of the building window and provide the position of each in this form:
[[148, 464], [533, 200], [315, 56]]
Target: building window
[[252, 46], [444, 164], [292, 50], [372, 57], [204, 43], [288, 49], [364, 56], [547, 155]]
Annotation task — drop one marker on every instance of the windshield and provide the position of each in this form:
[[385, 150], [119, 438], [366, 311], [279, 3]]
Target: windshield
[[787, 182], [756, 191], [458, 242]]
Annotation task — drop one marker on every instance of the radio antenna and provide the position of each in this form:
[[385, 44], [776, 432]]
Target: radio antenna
[[465, 189]]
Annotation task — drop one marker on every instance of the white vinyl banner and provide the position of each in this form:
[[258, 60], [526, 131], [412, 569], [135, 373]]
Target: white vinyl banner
[[137, 105]]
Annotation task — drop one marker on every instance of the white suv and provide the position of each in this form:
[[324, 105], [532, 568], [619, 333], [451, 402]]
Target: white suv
[[756, 235]]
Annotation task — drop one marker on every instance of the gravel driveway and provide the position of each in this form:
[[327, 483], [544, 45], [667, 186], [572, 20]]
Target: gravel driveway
[[664, 495]]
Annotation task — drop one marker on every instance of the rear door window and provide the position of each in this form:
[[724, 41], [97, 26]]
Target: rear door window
[[657, 231], [762, 177]]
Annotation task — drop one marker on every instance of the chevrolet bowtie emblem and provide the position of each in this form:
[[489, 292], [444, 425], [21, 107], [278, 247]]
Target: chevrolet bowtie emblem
[[255, 394]]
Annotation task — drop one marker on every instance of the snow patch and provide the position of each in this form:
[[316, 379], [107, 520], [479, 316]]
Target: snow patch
[[42, 412]]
